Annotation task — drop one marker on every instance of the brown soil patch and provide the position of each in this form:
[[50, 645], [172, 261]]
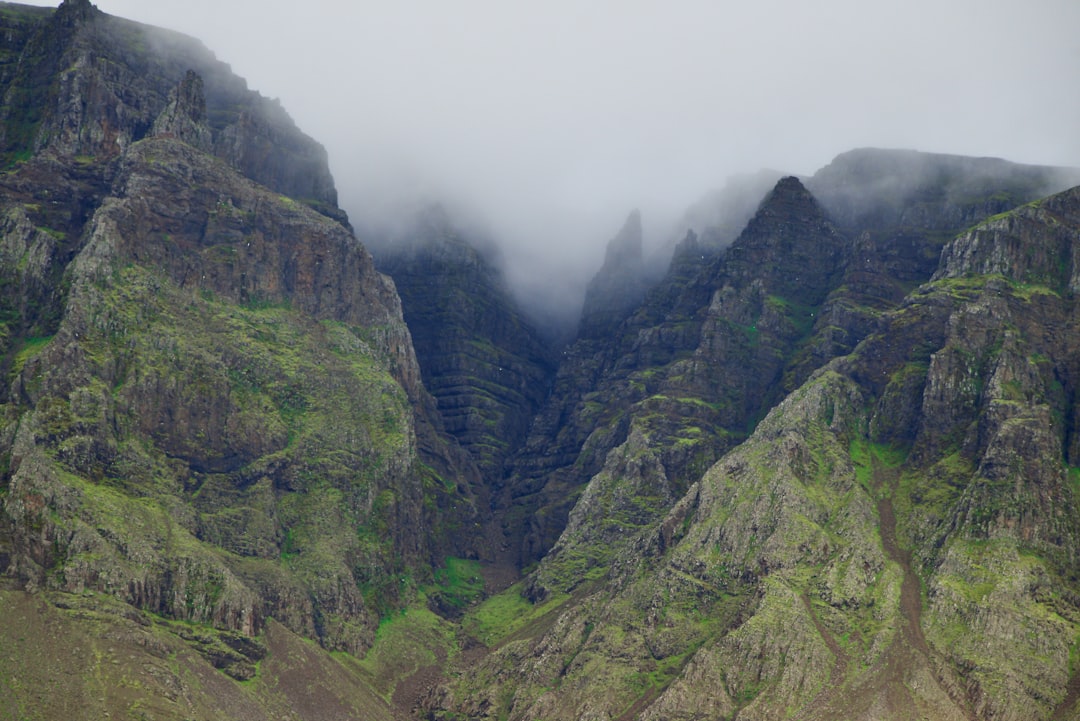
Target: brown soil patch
[[1067, 709], [412, 690], [639, 706], [910, 592], [909, 650]]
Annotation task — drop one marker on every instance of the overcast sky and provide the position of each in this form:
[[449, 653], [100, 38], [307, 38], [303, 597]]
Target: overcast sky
[[554, 118]]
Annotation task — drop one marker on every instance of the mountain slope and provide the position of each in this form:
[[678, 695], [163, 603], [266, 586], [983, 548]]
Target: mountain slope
[[706, 385], [214, 440], [787, 581]]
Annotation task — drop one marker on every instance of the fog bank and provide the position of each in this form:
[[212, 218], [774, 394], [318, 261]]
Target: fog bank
[[548, 123]]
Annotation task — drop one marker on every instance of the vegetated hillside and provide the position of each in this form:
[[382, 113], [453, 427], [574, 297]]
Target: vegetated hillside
[[624, 617], [728, 331], [825, 470], [214, 440], [897, 537]]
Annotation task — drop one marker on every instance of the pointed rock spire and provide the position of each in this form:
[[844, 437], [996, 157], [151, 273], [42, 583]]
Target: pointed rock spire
[[184, 117], [624, 250], [618, 288], [790, 243]]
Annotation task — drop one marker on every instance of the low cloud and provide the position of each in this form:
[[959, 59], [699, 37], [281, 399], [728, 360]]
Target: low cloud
[[548, 122]]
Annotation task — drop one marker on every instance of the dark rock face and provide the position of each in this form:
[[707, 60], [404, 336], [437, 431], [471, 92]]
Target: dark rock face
[[88, 85], [184, 117], [481, 359]]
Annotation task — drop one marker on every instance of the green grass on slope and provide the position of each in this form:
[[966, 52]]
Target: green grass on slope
[[215, 433], [507, 613], [408, 643], [459, 582], [865, 454]]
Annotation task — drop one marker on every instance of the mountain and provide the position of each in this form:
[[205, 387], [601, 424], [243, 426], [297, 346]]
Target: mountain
[[826, 466], [730, 329], [214, 438], [897, 535]]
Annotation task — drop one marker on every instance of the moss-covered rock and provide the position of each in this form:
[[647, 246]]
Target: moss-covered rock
[[212, 421]]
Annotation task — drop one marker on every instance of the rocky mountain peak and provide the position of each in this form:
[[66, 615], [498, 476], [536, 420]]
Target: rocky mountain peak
[[87, 84], [791, 242], [788, 198], [73, 12], [720, 215], [618, 287], [624, 250]]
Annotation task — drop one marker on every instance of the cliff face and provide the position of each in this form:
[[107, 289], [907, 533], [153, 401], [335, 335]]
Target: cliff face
[[210, 408], [487, 367]]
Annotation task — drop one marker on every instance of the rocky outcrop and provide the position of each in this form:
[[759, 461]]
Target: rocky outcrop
[[88, 85], [184, 117]]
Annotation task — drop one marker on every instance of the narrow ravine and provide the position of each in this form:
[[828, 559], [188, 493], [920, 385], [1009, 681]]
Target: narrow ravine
[[910, 590], [909, 647]]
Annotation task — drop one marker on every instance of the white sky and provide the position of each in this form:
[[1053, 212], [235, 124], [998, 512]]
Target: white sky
[[552, 119]]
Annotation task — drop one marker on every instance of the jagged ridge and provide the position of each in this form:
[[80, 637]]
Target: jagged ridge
[[782, 579]]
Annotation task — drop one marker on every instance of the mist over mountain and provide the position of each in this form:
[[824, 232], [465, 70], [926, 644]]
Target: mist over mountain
[[777, 446], [550, 123]]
